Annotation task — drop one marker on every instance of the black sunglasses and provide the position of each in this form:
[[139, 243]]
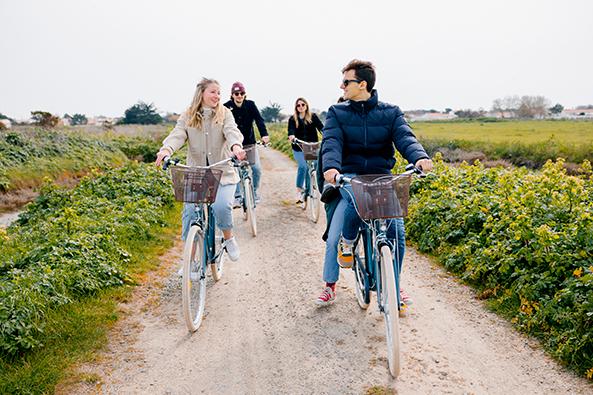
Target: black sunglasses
[[239, 93], [346, 82], [301, 105]]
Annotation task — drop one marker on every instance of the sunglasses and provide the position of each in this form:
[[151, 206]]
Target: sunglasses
[[346, 82], [301, 105], [238, 93]]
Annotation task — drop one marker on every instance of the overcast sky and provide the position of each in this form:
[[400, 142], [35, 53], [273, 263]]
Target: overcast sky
[[100, 57]]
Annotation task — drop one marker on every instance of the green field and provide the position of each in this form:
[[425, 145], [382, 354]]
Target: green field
[[524, 132]]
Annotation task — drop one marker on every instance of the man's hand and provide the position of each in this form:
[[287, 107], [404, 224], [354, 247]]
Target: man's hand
[[239, 152], [265, 139], [424, 164], [330, 176], [162, 154], [291, 138]]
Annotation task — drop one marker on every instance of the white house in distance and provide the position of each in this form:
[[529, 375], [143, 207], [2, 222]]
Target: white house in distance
[[584, 113]]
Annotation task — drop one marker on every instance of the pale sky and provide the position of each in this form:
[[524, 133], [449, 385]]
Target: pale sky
[[100, 57]]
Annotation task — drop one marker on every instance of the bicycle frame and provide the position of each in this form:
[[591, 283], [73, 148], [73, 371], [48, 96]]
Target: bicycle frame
[[209, 233], [244, 174]]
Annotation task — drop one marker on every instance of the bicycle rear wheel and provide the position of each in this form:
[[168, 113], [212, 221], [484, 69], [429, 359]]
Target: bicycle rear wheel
[[361, 280], [389, 301], [314, 196], [193, 280], [250, 207], [218, 264]]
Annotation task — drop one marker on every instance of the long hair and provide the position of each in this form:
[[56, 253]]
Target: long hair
[[194, 112], [308, 116]]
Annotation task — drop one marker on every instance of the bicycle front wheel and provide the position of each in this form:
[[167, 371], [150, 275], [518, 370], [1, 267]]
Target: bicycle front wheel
[[250, 207], [314, 196], [362, 288], [193, 280], [390, 310]]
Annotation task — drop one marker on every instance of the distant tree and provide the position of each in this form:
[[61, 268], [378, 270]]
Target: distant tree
[[508, 104], [44, 119], [533, 106], [76, 119], [432, 111], [557, 109], [2, 116], [271, 113], [467, 113], [142, 113], [448, 110]]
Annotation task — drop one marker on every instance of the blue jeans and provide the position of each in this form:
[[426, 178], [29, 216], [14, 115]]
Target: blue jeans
[[222, 207], [302, 179], [330, 264], [255, 176]]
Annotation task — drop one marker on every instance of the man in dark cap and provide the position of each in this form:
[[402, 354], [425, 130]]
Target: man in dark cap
[[245, 113]]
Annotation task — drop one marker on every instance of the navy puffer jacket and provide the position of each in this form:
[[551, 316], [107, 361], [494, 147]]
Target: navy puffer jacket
[[359, 137]]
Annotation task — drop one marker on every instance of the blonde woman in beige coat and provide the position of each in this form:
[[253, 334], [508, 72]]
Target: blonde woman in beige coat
[[210, 130]]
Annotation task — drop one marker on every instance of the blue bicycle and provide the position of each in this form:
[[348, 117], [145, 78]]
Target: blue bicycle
[[204, 245], [379, 199], [311, 194]]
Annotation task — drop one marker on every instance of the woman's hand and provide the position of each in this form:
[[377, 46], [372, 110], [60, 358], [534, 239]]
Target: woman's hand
[[162, 154], [238, 152], [265, 139], [330, 175], [291, 138]]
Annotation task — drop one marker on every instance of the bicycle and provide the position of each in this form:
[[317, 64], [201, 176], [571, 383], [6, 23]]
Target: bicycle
[[311, 194], [248, 201], [379, 199], [204, 245]]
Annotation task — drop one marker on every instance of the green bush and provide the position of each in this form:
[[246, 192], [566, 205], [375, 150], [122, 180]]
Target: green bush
[[72, 243], [524, 240]]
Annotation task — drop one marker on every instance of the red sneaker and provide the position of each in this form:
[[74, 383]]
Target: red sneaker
[[327, 297]]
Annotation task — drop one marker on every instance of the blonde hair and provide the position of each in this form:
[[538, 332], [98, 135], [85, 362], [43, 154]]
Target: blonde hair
[[194, 112], [308, 116]]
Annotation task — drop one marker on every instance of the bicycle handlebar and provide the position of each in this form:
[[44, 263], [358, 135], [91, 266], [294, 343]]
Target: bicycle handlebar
[[410, 169]]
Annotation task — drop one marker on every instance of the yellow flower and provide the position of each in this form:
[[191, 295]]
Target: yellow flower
[[3, 234], [578, 272], [589, 373]]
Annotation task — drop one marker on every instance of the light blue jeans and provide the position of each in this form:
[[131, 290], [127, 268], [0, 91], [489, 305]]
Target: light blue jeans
[[302, 179], [255, 176], [222, 207], [331, 269]]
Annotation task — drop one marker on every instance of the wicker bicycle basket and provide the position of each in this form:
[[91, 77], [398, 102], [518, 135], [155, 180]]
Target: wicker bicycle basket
[[195, 184], [310, 150], [381, 196], [251, 151]]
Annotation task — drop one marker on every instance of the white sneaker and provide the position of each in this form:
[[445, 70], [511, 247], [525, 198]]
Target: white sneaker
[[193, 275], [238, 202], [232, 248]]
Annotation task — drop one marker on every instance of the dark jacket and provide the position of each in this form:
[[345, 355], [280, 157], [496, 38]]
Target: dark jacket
[[244, 117], [359, 137], [305, 132]]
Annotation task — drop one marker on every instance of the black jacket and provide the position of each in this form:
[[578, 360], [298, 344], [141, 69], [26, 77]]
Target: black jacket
[[305, 132], [359, 137], [244, 117]]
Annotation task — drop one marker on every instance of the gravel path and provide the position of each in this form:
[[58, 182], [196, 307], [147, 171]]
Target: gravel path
[[7, 218], [263, 334]]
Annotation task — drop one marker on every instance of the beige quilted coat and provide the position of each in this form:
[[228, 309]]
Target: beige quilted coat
[[212, 141]]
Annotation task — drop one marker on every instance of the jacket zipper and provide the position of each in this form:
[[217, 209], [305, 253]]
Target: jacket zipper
[[364, 117]]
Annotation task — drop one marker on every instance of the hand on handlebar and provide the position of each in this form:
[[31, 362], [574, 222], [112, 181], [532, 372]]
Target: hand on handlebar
[[424, 164], [330, 175], [265, 140], [291, 138], [239, 152], [161, 155]]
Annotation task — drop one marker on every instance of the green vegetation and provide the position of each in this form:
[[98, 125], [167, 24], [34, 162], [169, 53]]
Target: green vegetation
[[63, 264], [529, 143], [26, 158], [524, 240]]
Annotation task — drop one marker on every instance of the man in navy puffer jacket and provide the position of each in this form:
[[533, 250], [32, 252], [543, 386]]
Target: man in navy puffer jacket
[[360, 137]]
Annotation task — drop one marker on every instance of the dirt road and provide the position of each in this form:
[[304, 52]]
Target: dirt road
[[264, 335]]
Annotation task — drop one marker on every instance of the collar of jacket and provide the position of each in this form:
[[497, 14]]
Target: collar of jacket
[[365, 105], [207, 112]]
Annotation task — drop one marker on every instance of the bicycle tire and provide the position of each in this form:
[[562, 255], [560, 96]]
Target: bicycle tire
[[216, 267], [250, 204], [314, 196], [361, 279], [389, 301], [193, 291]]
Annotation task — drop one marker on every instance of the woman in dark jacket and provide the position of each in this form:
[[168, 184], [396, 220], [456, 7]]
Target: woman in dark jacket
[[303, 125]]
